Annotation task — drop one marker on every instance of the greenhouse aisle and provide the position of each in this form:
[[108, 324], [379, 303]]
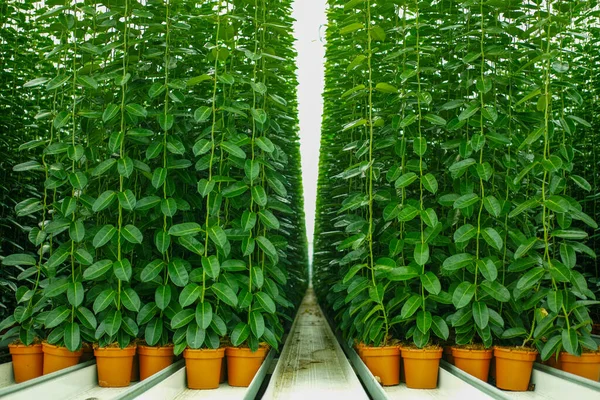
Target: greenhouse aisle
[[312, 363]]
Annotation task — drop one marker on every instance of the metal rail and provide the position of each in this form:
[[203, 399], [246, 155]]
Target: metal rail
[[172, 385]]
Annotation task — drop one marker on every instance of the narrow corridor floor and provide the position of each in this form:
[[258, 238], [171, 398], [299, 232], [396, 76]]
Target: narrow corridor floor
[[312, 364]]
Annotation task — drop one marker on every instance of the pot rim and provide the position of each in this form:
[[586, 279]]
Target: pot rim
[[245, 352], [18, 348], [156, 351], [204, 354], [114, 352], [422, 354], [585, 358], [61, 351]]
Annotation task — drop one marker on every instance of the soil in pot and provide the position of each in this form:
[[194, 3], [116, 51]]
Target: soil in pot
[[513, 367], [57, 358], [153, 359], [421, 366], [203, 367], [384, 363], [474, 360], [587, 365], [243, 364], [27, 361], [114, 365]]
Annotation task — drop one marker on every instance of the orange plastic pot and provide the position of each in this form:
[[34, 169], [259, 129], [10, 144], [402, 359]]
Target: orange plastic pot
[[513, 368], [114, 365], [447, 355], [135, 368], [359, 348], [88, 353], [223, 377], [553, 361], [27, 361], [473, 362], [203, 367], [57, 358], [153, 359], [383, 362], [243, 364], [587, 366], [421, 367]]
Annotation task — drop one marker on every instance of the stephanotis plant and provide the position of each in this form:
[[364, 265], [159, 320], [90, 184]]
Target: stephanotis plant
[[451, 183]]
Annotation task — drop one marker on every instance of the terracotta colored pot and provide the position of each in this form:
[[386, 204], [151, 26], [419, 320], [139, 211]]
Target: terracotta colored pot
[[243, 364], [57, 358], [359, 349], [447, 355], [513, 368], [473, 362], [421, 367], [114, 365], [153, 359], [223, 377], [203, 367], [135, 368], [383, 362], [88, 353], [551, 362], [27, 361], [587, 366]]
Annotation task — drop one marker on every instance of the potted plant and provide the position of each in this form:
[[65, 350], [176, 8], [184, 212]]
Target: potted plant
[[24, 326]]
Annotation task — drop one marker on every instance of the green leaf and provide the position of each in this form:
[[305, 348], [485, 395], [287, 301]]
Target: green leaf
[[127, 200], [97, 269], [492, 237], [405, 180], [581, 182], [18, 259], [225, 294], [466, 201], [189, 294], [457, 261], [122, 270], [431, 283], [211, 266], [386, 88], [421, 253], [104, 201], [463, 294], [430, 183], [569, 341], [136, 110], [178, 273], [204, 315], [104, 235], [257, 324], [239, 334], [75, 293], [411, 306], [465, 233], [56, 316], [468, 112], [132, 234], [424, 321], [266, 302], [182, 318], [131, 300], [185, 229], [481, 314], [72, 336]]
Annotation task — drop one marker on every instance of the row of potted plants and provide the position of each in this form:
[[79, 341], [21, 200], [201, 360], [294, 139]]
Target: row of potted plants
[[451, 191], [170, 219]]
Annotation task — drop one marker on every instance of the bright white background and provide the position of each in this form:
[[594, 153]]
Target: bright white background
[[310, 39]]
